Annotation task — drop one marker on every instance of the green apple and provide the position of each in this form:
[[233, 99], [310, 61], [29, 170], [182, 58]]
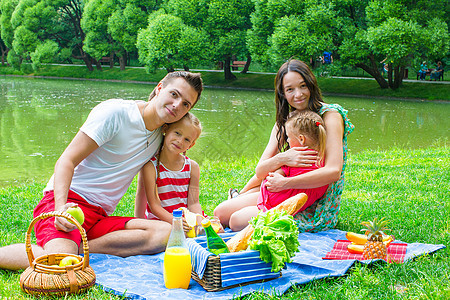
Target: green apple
[[68, 261], [77, 213]]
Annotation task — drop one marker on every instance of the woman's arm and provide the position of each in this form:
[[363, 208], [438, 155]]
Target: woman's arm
[[151, 191], [80, 147], [272, 159], [193, 202], [333, 161]]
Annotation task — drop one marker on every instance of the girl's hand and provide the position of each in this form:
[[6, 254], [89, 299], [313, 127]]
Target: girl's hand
[[299, 157], [186, 226], [62, 223], [275, 182]]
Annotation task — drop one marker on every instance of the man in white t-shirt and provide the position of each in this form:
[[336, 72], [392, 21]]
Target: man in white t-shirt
[[96, 169]]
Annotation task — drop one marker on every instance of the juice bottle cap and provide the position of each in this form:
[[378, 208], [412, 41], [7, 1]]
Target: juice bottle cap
[[206, 222], [177, 213]]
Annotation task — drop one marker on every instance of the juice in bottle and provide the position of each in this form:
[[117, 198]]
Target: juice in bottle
[[177, 260], [177, 268]]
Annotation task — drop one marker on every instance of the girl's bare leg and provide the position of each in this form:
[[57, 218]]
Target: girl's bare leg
[[239, 219], [225, 209]]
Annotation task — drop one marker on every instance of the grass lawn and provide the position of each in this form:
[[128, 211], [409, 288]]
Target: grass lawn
[[408, 187], [368, 88]]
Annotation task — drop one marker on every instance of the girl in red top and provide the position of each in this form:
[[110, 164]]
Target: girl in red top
[[171, 179], [303, 128]]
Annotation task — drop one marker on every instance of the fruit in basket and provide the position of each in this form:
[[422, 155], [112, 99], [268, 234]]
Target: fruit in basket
[[77, 213], [374, 248], [68, 261]]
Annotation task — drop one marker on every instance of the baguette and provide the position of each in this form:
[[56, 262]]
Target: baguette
[[293, 205], [241, 239]]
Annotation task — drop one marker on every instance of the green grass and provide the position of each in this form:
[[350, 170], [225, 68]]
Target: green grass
[[408, 187], [335, 86]]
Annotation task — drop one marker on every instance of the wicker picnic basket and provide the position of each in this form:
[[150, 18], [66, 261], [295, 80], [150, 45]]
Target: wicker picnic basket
[[44, 276], [212, 281]]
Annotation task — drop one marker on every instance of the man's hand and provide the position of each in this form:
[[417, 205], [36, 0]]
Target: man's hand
[[62, 223]]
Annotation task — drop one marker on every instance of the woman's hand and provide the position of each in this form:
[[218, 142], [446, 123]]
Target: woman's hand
[[299, 157], [275, 182], [62, 223]]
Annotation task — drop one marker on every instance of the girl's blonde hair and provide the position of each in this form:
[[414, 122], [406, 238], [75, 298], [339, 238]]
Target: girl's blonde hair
[[311, 125], [195, 122]]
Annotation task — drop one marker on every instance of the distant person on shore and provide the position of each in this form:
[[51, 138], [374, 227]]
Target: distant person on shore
[[327, 58], [423, 70], [296, 88], [96, 169], [437, 72]]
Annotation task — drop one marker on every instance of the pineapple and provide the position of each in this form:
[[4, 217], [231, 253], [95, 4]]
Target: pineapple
[[374, 248]]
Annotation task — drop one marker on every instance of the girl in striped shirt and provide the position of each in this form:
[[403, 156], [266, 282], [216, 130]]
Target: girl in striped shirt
[[171, 179]]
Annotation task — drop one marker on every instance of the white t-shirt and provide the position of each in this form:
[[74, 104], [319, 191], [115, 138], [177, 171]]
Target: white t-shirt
[[125, 145]]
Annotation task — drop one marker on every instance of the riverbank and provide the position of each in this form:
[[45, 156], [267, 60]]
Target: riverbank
[[419, 91], [407, 187]]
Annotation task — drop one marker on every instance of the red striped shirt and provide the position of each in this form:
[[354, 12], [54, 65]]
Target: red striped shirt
[[173, 187]]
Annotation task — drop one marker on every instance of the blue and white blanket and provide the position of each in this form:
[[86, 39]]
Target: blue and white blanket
[[141, 277]]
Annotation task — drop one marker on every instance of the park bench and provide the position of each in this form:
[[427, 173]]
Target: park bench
[[237, 64], [105, 60], [441, 75]]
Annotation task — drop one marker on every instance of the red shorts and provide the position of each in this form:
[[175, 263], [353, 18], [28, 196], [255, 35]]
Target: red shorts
[[96, 222]]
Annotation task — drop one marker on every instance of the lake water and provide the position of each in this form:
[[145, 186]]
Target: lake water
[[39, 117]]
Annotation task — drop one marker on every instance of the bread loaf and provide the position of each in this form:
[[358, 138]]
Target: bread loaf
[[240, 240], [292, 205]]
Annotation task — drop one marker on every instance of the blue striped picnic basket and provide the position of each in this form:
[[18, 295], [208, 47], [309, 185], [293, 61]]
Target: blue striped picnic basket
[[227, 270]]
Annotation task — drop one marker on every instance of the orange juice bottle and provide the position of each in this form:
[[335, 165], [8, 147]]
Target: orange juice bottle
[[177, 260]]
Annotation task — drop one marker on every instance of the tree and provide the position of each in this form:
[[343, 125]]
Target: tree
[[35, 23], [397, 32], [167, 42], [112, 26], [285, 29], [227, 23], [224, 22]]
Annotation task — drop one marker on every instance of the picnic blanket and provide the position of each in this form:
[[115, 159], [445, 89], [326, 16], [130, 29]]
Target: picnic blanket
[[141, 277]]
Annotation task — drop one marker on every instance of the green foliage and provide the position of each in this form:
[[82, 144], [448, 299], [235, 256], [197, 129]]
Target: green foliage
[[167, 42], [44, 53]]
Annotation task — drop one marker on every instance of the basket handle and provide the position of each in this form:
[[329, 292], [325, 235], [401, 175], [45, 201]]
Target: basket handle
[[57, 214]]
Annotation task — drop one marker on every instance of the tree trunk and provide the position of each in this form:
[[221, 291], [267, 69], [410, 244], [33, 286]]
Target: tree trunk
[[170, 69], [227, 69], [122, 61], [111, 60], [88, 62], [4, 54], [98, 64], [399, 72], [375, 73], [247, 65], [186, 68]]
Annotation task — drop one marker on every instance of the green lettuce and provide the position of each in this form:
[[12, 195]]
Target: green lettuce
[[275, 237]]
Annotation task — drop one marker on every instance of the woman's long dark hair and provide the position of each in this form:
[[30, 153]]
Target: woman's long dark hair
[[283, 107]]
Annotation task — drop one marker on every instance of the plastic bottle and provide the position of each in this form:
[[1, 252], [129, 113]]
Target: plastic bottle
[[177, 260], [215, 243]]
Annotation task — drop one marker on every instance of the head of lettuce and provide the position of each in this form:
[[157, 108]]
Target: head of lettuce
[[275, 237]]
